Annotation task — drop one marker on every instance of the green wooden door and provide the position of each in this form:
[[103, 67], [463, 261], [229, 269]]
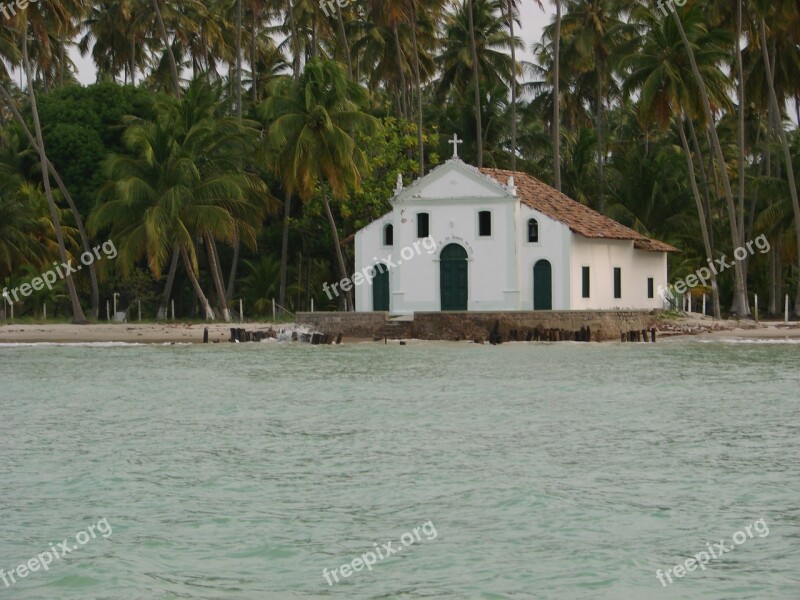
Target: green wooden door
[[542, 286], [453, 278], [380, 288]]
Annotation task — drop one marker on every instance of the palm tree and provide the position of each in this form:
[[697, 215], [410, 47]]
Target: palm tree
[[657, 67], [493, 65], [775, 108], [35, 17], [184, 182], [312, 124], [595, 30], [740, 306], [476, 82], [557, 98]]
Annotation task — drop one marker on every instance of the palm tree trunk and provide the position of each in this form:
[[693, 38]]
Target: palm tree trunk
[[601, 205], [238, 45], [213, 263], [176, 87], [345, 46], [287, 208], [701, 215], [401, 97], [237, 247], [77, 312], [338, 250], [740, 306], [67, 196], [557, 99], [253, 54], [510, 7], [173, 268], [476, 83], [703, 179], [295, 40], [787, 154], [418, 83], [187, 263]]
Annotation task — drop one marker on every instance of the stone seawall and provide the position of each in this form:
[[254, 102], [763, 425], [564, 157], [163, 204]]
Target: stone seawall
[[604, 325]]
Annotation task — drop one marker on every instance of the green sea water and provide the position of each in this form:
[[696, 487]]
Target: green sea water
[[547, 471]]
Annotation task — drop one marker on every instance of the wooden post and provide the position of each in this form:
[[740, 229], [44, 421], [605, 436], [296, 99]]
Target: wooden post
[[273, 310], [241, 311], [139, 303], [756, 315], [704, 304], [44, 311], [786, 309], [172, 304], [588, 334], [653, 335], [622, 337], [205, 336], [108, 312], [312, 305]]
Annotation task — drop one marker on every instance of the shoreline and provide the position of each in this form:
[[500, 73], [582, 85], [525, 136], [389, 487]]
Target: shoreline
[[166, 333]]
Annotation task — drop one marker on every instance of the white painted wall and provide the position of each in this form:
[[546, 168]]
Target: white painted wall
[[553, 246], [601, 256]]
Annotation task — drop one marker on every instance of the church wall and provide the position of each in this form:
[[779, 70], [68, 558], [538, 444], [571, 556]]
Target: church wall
[[602, 256], [553, 246]]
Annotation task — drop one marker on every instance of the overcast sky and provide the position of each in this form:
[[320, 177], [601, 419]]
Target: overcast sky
[[533, 20]]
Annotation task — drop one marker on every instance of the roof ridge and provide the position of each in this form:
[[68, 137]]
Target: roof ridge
[[580, 218]]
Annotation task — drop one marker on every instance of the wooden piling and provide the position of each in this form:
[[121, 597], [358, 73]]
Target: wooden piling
[[205, 336]]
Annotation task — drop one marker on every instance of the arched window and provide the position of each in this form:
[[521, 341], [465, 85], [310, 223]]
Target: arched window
[[388, 235], [533, 231]]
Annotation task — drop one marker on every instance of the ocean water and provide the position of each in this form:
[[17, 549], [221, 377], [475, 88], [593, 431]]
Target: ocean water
[[528, 470]]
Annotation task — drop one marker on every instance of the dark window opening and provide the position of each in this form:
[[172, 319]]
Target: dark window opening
[[533, 231], [484, 223], [388, 235], [423, 225], [617, 282], [650, 290], [586, 289]]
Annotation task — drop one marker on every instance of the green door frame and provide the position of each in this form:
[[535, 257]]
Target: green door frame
[[542, 285], [454, 278], [380, 289]]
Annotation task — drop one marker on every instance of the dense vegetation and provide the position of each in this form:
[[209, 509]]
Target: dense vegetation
[[231, 149]]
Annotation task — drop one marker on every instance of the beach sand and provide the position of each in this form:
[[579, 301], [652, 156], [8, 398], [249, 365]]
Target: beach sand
[[165, 333], [142, 333]]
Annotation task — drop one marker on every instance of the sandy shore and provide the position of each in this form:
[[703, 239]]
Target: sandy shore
[[764, 331], [163, 333], [150, 333]]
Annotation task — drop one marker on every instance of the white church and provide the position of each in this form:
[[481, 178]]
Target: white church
[[499, 240]]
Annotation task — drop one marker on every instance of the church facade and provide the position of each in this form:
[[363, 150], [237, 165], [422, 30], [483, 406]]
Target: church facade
[[468, 239]]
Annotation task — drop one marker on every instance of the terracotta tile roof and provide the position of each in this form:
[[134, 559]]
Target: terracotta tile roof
[[579, 218]]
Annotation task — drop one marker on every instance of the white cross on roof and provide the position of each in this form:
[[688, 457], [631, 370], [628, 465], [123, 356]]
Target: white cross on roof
[[455, 141]]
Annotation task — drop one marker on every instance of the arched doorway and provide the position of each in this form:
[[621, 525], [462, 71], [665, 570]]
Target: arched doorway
[[542, 286], [454, 278], [380, 288]]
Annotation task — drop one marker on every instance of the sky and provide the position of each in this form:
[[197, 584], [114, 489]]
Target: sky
[[533, 20]]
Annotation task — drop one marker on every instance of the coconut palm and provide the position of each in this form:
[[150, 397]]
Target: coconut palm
[[312, 124]]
